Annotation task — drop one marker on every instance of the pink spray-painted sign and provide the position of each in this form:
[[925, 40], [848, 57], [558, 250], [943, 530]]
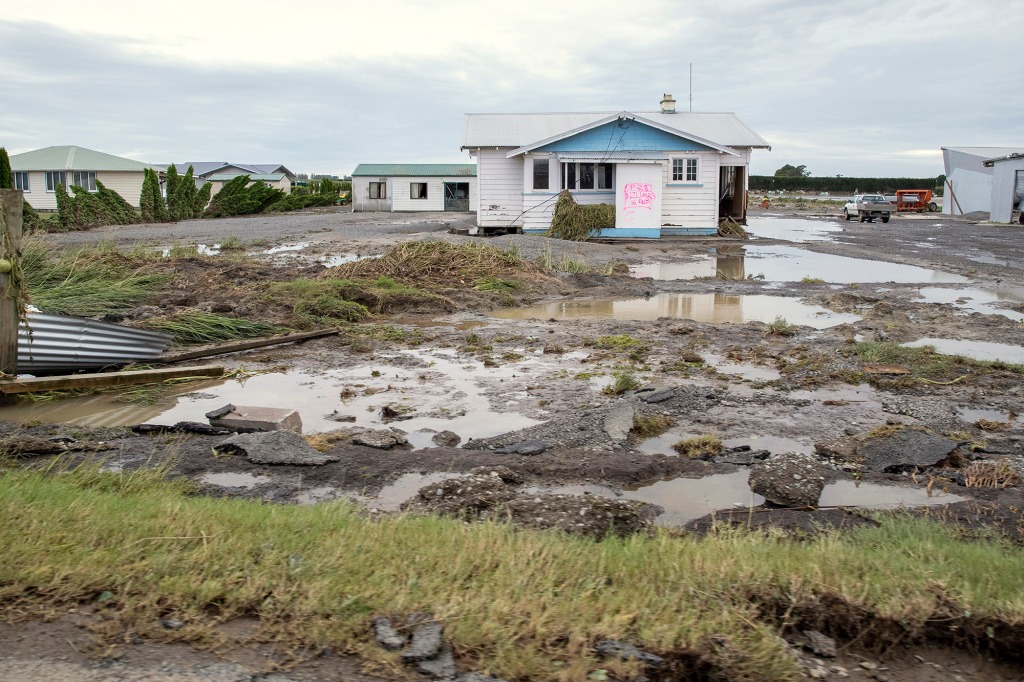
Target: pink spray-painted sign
[[639, 195]]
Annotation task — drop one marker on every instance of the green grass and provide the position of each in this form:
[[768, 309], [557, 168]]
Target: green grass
[[699, 446], [231, 243], [780, 327], [196, 327], [520, 604], [87, 282], [498, 285], [622, 381], [924, 362]]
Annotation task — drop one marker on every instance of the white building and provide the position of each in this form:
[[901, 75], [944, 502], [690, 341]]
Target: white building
[[666, 172], [983, 179], [37, 174], [414, 187]]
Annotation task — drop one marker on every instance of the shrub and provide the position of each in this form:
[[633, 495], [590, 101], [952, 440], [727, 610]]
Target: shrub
[[238, 197]]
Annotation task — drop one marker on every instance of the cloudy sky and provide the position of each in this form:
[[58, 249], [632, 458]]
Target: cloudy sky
[[853, 88]]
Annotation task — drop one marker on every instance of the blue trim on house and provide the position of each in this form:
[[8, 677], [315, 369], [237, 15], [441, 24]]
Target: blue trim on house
[[629, 233], [635, 136], [688, 231], [684, 184]]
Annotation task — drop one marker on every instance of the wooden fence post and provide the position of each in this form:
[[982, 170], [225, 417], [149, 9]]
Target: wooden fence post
[[11, 205]]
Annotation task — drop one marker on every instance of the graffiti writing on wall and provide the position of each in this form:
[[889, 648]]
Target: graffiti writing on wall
[[639, 195]]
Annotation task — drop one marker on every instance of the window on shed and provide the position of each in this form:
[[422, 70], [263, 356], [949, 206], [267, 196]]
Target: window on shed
[[684, 170], [84, 179], [21, 181], [691, 170], [54, 178], [378, 190], [417, 190], [541, 173]]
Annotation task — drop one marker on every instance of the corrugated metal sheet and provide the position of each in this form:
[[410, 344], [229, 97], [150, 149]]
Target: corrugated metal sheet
[[612, 156], [72, 158], [517, 130], [226, 177], [415, 170], [60, 343]]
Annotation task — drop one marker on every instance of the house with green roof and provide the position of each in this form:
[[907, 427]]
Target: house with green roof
[[394, 187], [37, 174]]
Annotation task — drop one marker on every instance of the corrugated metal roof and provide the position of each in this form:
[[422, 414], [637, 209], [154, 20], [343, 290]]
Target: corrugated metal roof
[[415, 169], [517, 130], [266, 177], [60, 343], [73, 158]]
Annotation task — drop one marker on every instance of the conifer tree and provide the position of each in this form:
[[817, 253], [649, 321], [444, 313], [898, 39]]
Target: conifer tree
[[173, 180], [146, 197], [6, 176], [202, 199]]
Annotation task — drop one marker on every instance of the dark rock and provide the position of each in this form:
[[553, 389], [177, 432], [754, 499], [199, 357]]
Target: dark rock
[[172, 623], [382, 439], [338, 417], [386, 635], [791, 480], [442, 667], [221, 308], [393, 412], [275, 447], [197, 428], [838, 449], [220, 411], [425, 644], [609, 648], [525, 447], [448, 439], [904, 449], [658, 396], [741, 457], [819, 644]]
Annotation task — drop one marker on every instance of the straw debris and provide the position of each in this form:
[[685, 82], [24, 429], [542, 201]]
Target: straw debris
[[575, 222]]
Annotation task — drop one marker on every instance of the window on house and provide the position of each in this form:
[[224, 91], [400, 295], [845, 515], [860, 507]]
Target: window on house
[[540, 173], [54, 178], [378, 190], [588, 176], [84, 179], [417, 190], [684, 170], [21, 181]]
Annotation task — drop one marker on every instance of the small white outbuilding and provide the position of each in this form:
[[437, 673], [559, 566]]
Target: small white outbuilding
[[988, 179], [394, 187]]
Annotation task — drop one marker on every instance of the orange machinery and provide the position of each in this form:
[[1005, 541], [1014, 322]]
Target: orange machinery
[[917, 200]]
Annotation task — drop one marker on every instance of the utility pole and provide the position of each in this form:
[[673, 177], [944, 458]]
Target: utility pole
[[11, 206]]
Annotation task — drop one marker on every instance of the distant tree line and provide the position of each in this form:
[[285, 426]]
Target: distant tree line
[[784, 183]]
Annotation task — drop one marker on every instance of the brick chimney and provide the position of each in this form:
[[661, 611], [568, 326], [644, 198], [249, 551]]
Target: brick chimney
[[668, 104]]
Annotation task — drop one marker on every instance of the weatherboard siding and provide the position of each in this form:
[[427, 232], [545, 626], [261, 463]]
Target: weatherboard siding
[[402, 200], [500, 188], [691, 205], [38, 197], [127, 184]]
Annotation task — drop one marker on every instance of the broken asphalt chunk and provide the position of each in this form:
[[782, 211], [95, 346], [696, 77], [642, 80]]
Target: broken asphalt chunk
[[425, 644], [274, 447], [525, 447], [386, 635]]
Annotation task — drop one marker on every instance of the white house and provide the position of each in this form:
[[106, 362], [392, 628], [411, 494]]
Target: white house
[[666, 172], [414, 187], [37, 174], [983, 179]]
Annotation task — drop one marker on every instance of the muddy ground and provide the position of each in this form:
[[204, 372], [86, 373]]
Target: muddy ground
[[497, 381]]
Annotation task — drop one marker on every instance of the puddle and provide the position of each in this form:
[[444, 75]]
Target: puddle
[[405, 488], [793, 264], [977, 300], [714, 308], [874, 496], [792, 229], [662, 445], [976, 350], [285, 248], [201, 249], [743, 370], [444, 390], [972, 414], [234, 480]]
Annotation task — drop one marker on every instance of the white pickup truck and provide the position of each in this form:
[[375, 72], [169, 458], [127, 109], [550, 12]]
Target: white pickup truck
[[868, 207]]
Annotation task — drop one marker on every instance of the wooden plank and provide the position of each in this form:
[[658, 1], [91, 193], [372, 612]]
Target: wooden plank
[[11, 205], [106, 379], [244, 345]]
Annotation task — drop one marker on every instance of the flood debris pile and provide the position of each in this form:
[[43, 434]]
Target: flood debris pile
[[578, 222], [496, 493]]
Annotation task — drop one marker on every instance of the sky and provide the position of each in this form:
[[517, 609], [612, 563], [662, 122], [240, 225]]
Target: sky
[[866, 88]]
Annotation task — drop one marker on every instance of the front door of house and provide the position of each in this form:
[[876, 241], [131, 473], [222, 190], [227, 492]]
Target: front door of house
[[638, 195], [456, 196]]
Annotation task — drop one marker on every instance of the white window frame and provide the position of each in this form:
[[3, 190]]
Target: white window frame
[[598, 178], [22, 182], [52, 178], [685, 169], [381, 187], [84, 179], [420, 185]]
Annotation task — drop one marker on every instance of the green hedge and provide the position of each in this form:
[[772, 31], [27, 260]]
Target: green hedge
[[766, 183]]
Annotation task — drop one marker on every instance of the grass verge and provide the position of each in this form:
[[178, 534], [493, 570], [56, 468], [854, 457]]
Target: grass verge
[[520, 604]]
